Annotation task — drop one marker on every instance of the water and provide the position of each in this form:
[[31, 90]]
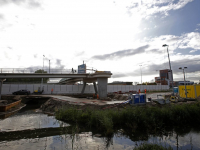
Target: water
[[48, 133]]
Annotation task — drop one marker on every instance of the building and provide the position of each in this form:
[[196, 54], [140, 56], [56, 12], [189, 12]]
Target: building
[[177, 83], [165, 77]]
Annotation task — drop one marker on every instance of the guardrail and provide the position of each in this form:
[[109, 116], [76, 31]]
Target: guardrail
[[31, 70]]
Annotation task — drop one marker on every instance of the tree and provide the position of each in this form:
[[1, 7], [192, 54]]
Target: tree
[[32, 80]]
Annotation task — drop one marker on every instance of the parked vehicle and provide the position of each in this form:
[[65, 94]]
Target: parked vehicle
[[21, 92]]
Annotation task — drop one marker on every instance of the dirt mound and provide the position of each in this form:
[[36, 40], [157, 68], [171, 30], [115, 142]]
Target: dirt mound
[[115, 96], [53, 105]]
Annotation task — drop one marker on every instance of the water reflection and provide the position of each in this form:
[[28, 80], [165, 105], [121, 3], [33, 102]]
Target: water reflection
[[48, 133], [86, 140]]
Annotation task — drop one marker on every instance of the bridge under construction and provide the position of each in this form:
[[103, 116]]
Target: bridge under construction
[[100, 77]]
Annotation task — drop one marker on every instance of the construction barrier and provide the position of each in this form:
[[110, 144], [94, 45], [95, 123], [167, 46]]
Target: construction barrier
[[193, 91]]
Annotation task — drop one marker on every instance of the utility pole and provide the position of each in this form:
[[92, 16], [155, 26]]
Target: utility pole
[[141, 73], [184, 79], [49, 66]]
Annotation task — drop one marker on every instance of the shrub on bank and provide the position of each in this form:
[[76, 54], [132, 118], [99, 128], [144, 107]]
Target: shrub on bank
[[133, 117], [151, 147]]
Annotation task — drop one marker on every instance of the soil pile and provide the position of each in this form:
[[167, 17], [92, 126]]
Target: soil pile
[[52, 105], [115, 96], [8, 100]]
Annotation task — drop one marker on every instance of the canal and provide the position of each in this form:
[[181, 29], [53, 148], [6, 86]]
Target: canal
[[31, 129]]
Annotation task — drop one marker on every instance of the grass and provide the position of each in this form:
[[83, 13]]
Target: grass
[[150, 118], [151, 147]]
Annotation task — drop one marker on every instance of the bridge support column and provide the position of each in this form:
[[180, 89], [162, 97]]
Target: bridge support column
[[1, 84], [95, 88], [84, 85], [102, 87]]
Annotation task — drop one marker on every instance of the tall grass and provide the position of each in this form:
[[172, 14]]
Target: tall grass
[[152, 147], [150, 118]]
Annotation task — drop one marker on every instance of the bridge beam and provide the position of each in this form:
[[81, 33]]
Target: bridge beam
[[102, 87]]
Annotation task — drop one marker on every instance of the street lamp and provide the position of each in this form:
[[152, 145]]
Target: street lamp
[[165, 45], [49, 65], [184, 79], [141, 73], [43, 68]]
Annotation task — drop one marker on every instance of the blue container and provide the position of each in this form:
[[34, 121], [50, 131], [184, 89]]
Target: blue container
[[135, 98], [142, 98], [175, 89]]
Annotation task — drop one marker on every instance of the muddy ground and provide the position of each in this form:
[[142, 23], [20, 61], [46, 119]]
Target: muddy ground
[[5, 100], [52, 105]]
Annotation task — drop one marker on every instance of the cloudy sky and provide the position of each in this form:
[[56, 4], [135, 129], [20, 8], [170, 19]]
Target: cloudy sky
[[109, 35]]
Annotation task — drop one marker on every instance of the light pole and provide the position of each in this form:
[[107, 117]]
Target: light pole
[[165, 45], [43, 68], [141, 73], [184, 79], [49, 65]]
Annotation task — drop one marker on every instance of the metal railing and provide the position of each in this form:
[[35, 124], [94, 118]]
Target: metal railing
[[31, 70]]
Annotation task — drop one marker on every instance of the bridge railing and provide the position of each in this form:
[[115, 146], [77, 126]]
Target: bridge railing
[[33, 70]]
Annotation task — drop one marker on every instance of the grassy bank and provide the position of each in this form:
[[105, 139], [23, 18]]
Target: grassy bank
[[152, 147], [148, 118]]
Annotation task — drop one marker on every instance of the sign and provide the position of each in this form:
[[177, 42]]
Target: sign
[[82, 69]]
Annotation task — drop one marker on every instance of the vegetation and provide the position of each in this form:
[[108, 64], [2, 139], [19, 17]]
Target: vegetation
[[132, 118], [35, 80], [151, 147]]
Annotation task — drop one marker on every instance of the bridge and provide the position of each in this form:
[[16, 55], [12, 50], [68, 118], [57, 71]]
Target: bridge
[[101, 77]]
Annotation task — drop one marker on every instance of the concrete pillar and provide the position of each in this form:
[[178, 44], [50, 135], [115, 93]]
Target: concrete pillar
[[84, 85], [102, 87], [95, 87], [1, 83]]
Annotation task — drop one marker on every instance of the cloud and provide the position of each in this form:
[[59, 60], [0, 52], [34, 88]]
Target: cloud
[[192, 51], [30, 3], [35, 56], [191, 64], [80, 53], [190, 40], [152, 7], [122, 53], [9, 47], [1, 16], [59, 65]]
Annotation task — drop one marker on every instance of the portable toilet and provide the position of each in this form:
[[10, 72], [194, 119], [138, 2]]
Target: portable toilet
[[135, 98], [175, 89], [142, 98]]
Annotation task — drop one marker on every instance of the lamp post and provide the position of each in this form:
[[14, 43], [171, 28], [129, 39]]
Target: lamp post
[[43, 68], [184, 79], [49, 65], [165, 45], [141, 73]]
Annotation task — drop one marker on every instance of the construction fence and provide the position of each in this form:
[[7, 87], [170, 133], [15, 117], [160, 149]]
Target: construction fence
[[74, 89]]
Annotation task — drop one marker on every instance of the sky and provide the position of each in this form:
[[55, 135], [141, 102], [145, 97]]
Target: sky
[[121, 36]]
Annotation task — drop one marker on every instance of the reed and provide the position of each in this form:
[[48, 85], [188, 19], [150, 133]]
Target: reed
[[152, 147], [133, 117]]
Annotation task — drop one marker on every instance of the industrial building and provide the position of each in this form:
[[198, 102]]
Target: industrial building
[[165, 77]]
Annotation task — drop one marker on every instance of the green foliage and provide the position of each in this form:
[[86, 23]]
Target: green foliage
[[152, 147], [150, 118]]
